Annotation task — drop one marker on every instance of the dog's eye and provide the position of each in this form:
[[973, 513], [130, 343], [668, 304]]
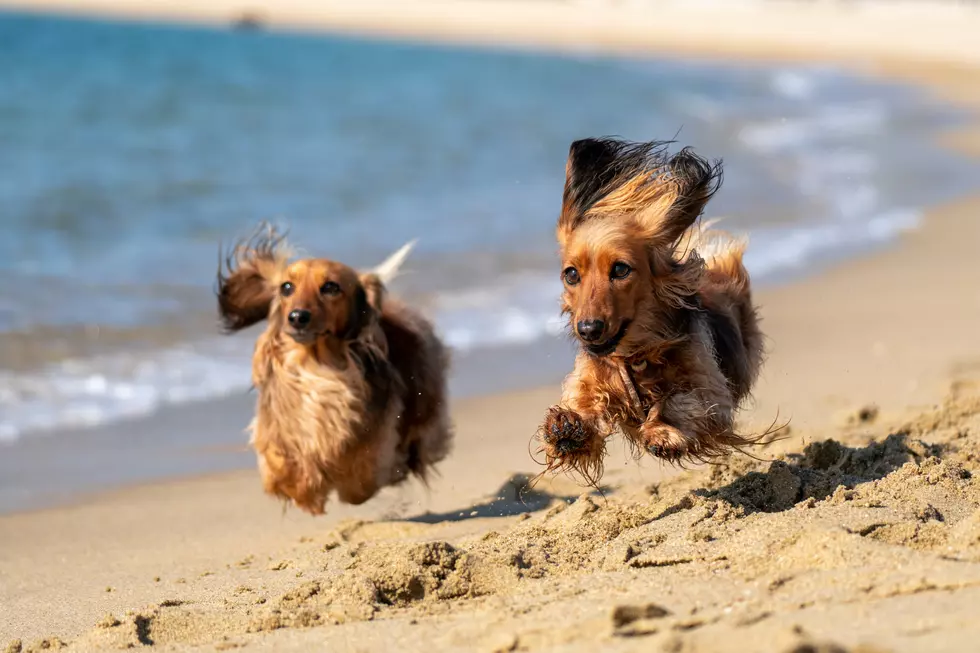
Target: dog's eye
[[330, 288], [620, 270], [570, 275], [286, 289]]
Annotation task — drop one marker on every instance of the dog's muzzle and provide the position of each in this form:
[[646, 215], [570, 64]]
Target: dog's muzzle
[[598, 346], [590, 330], [300, 319], [299, 326]]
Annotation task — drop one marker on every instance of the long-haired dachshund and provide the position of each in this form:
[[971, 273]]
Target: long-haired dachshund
[[351, 383], [669, 339]]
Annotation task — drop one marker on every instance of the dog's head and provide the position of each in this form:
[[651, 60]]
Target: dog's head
[[322, 299], [625, 213], [306, 300]]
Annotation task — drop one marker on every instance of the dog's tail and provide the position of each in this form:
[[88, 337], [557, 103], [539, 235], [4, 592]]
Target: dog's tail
[[722, 252], [389, 269]]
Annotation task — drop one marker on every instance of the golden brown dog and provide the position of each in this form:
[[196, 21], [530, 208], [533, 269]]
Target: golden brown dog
[[351, 383], [670, 342]]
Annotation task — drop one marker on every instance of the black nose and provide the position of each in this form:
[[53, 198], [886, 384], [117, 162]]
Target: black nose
[[590, 330], [299, 318]]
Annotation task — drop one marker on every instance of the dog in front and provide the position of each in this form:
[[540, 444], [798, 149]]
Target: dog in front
[[669, 339], [351, 382]]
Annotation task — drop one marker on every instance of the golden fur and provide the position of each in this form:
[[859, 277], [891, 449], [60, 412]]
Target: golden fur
[[670, 341], [351, 400]]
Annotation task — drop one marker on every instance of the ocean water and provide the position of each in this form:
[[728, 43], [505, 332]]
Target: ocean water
[[129, 152]]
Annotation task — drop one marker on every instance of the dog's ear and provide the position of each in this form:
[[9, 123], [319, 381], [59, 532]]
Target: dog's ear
[[689, 182], [589, 170], [365, 304], [614, 179], [248, 277], [359, 316]]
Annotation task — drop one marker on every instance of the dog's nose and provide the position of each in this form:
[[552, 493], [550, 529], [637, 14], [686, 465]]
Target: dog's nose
[[299, 318], [590, 330]]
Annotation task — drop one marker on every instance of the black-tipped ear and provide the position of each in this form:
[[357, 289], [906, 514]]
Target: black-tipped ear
[[590, 166], [588, 171], [246, 280], [598, 168], [697, 180]]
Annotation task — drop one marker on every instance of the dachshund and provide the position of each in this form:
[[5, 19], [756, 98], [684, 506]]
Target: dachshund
[[351, 382], [669, 339]]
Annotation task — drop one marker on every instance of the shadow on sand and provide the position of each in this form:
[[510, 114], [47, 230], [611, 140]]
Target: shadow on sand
[[514, 497]]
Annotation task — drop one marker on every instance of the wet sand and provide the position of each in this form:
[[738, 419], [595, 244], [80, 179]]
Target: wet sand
[[861, 529]]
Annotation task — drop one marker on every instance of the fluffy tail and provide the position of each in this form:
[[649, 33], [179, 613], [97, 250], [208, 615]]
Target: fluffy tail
[[391, 266], [723, 255], [722, 252], [726, 276]]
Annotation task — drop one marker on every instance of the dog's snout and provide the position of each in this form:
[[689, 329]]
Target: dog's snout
[[590, 330], [300, 318]]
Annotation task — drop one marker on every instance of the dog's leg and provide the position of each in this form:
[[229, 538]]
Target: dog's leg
[[697, 421], [575, 431], [687, 424], [567, 432], [366, 469], [373, 462], [660, 438], [281, 478], [355, 493]]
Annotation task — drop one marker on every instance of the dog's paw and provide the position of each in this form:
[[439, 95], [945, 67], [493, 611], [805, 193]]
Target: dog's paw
[[663, 441], [573, 443], [565, 432]]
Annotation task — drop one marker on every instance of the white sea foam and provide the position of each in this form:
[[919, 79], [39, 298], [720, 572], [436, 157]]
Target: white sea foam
[[89, 392], [830, 122], [796, 84]]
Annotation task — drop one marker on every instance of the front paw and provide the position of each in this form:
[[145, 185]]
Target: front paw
[[565, 433], [571, 442], [663, 441]]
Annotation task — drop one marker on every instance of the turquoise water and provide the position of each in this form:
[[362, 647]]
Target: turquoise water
[[128, 152]]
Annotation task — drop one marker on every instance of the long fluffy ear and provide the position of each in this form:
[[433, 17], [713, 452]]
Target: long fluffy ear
[[692, 180], [614, 179], [596, 167], [366, 305], [247, 278], [362, 310], [588, 170]]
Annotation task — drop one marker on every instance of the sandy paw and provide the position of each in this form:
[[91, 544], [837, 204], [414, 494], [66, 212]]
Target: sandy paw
[[565, 432], [663, 441], [572, 443]]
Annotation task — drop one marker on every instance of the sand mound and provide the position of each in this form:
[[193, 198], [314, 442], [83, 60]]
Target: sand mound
[[779, 551]]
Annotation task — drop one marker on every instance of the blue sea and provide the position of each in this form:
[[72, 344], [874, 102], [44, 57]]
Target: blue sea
[[129, 152]]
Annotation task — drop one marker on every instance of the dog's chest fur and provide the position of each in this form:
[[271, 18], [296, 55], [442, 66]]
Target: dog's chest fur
[[665, 369], [306, 405]]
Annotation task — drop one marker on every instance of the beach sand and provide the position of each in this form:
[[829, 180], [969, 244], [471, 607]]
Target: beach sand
[[858, 532]]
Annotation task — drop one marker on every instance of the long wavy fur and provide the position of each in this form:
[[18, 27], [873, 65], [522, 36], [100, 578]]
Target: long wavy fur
[[698, 339]]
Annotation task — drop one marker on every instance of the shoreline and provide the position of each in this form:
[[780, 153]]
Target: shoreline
[[894, 328]]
